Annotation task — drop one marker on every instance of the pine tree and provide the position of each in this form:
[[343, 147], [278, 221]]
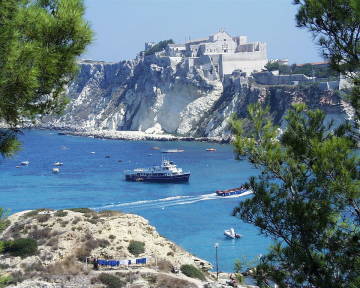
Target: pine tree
[[306, 197], [39, 43]]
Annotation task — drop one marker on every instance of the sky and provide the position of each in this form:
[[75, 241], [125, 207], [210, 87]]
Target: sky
[[123, 26]]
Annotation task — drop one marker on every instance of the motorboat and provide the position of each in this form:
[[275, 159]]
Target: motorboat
[[211, 149], [173, 151], [234, 191], [58, 163], [25, 163], [167, 172], [56, 170], [230, 233]]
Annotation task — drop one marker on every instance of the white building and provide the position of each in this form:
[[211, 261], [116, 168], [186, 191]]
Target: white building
[[227, 53]]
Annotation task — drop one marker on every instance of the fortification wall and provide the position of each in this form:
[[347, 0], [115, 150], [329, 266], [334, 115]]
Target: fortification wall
[[246, 62]]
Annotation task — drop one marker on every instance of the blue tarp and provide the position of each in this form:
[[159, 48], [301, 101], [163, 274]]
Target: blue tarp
[[114, 263]]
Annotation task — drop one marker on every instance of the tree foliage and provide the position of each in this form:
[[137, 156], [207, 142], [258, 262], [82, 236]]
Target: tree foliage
[[306, 197], [335, 24], [158, 47], [39, 43]]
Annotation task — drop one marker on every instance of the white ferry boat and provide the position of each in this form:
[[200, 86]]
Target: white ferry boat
[[166, 173]]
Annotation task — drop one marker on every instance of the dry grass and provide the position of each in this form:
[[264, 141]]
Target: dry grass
[[76, 220], [165, 281], [164, 265], [110, 213], [69, 266]]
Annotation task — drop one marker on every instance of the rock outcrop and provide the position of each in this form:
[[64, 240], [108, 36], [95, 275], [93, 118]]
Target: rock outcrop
[[67, 239], [173, 95]]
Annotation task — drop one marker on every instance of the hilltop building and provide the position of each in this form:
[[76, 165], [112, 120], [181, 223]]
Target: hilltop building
[[225, 52]]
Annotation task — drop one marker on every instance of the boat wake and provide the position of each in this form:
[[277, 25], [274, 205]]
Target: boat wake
[[165, 202]]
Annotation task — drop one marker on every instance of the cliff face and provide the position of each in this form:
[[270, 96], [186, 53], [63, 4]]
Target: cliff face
[[173, 95]]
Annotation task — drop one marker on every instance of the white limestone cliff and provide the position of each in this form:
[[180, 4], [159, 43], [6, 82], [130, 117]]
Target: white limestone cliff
[[173, 95]]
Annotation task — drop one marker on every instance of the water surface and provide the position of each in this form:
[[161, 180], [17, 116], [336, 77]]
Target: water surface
[[188, 214]]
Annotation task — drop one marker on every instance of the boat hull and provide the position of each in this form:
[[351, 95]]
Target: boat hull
[[159, 179], [230, 193]]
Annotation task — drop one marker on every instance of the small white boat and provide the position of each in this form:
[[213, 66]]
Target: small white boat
[[58, 163], [25, 163], [172, 151], [230, 233], [92, 152], [55, 170], [211, 149]]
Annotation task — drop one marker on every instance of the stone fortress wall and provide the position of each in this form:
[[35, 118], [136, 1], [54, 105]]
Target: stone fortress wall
[[221, 55], [224, 52]]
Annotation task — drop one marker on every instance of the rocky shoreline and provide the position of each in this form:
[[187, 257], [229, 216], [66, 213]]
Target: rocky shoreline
[[132, 135]]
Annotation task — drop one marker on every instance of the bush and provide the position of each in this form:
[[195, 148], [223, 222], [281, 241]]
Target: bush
[[111, 281], [192, 271], [5, 280], [43, 218], [136, 247], [76, 220], [61, 213], [22, 247], [81, 210], [2, 246], [158, 47], [110, 213]]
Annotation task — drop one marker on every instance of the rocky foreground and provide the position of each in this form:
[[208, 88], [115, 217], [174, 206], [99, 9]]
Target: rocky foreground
[[69, 240]]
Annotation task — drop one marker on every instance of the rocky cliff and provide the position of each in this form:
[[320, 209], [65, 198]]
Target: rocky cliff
[[179, 96], [67, 240]]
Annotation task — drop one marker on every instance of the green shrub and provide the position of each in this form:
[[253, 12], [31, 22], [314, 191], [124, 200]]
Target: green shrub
[[43, 218], [61, 213], [5, 280], [22, 247], [33, 213], [2, 246], [111, 281], [81, 210], [4, 223], [136, 247], [192, 271], [158, 47]]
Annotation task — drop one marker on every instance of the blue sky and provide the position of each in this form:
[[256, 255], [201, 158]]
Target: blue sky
[[122, 26]]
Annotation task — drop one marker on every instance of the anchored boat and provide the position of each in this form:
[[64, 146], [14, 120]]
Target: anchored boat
[[167, 172]]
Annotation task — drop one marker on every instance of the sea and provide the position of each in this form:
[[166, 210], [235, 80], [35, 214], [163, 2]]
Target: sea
[[92, 176]]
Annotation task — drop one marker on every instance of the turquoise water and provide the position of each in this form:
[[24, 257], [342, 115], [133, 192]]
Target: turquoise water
[[188, 214]]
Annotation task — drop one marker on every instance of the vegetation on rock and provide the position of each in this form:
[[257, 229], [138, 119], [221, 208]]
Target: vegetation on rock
[[158, 47], [3, 221], [136, 247], [22, 247], [192, 271], [111, 281], [308, 69]]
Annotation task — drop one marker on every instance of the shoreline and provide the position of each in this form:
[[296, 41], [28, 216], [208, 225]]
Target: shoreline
[[129, 135]]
